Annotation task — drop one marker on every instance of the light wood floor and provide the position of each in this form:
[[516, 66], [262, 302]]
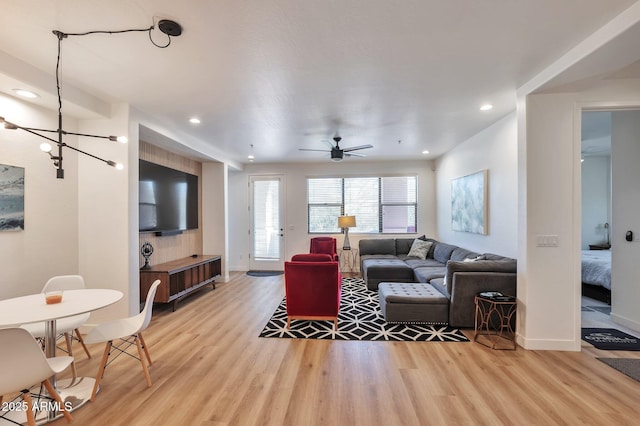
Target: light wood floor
[[211, 368]]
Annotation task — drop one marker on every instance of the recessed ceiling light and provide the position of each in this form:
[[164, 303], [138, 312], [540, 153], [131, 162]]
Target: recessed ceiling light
[[251, 157], [194, 120], [425, 152], [486, 107], [26, 93]]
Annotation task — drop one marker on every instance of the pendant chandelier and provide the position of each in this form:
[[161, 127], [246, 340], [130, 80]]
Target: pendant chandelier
[[168, 27]]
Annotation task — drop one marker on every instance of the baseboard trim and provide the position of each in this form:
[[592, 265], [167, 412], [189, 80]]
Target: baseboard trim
[[549, 344], [629, 323]]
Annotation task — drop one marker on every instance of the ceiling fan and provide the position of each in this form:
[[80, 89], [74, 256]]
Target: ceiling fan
[[338, 153]]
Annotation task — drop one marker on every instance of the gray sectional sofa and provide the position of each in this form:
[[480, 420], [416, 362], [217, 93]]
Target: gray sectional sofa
[[444, 268]]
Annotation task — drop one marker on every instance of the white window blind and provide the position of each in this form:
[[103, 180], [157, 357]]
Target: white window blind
[[380, 204]]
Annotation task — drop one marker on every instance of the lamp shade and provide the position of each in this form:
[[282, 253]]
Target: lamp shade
[[346, 221]]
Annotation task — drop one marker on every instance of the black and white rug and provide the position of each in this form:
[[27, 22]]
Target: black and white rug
[[359, 319]]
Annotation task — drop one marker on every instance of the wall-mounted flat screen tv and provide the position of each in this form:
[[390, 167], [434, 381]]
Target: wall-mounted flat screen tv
[[168, 198]]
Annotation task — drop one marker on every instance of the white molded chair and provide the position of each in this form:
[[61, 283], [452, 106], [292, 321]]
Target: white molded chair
[[64, 326], [129, 331], [23, 365]]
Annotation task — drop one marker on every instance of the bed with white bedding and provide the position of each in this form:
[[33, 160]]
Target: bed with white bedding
[[596, 270]]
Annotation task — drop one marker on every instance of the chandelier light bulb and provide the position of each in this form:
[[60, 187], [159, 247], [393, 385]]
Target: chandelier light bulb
[[45, 147], [119, 166]]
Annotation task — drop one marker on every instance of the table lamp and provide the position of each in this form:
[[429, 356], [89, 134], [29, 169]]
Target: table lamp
[[346, 222]]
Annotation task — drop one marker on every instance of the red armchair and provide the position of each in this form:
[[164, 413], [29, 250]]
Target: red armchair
[[325, 245], [312, 285]]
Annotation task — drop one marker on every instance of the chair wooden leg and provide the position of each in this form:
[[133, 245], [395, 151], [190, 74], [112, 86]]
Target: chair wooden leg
[[288, 323], [144, 346], [335, 324], [81, 340], [55, 395], [31, 418], [103, 364], [144, 364], [67, 338]]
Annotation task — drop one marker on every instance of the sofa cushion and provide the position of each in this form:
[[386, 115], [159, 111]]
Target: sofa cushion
[[403, 245], [421, 263], [442, 252], [438, 284], [426, 274], [376, 270], [420, 248], [377, 246], [461, 254]]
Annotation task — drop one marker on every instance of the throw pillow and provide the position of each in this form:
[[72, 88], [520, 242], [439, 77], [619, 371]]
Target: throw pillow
[[473, 259], [420, 248]]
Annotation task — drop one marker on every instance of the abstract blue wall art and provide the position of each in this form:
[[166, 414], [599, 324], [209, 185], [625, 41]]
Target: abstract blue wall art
[[11, 198], [469, 203]]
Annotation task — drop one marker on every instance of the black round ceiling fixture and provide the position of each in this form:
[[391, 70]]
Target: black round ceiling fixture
[[169, 27]]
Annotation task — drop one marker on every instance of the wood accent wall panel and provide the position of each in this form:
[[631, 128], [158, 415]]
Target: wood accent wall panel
[[172, 247]]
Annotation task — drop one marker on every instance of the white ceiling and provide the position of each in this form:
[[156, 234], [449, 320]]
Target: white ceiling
[[285, 74]]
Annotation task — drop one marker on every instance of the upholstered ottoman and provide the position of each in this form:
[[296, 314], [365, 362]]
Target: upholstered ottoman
[[378, 270], [413, 302]]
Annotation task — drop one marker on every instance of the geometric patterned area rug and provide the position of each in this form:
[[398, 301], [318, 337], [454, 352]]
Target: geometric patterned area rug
[[628, 366], [359, 319]]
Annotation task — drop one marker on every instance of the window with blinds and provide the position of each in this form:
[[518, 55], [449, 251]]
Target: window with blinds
[[381, 205]]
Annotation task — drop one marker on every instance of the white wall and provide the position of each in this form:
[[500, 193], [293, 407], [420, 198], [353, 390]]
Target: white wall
[[494, 149], [215, 207], [103, 213], [596, 199], [625, 152], [549, 278], [48, 245], [296, 235]]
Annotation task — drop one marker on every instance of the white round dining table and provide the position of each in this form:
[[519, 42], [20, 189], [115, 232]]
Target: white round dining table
[[33, 308]]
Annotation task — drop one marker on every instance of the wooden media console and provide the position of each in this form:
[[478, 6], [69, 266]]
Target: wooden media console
[[180, 278]]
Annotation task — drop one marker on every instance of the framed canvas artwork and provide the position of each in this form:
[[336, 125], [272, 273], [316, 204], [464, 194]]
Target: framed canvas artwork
[[469, 203], [11, 198]]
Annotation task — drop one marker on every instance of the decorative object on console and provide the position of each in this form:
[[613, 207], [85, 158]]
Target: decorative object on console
[[346, 222], [170, 28], [11, 198], [469, 203], [146, 251]]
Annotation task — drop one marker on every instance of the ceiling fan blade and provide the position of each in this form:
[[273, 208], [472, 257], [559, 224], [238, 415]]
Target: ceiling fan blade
[[353, 154], [318, 150], [328, 143], [353, 148]]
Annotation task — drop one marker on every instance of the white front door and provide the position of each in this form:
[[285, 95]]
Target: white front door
[[267, 222]]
